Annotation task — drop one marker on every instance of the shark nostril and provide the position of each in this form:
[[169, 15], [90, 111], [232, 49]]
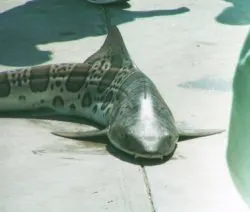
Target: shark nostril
[[167, 142]]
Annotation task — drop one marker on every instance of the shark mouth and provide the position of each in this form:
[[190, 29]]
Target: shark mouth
[[145, 156]]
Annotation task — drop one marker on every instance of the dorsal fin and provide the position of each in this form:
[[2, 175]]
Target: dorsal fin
[[113, 48]]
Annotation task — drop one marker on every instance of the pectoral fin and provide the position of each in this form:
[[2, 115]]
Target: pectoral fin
[[190, 134], [82, 135]]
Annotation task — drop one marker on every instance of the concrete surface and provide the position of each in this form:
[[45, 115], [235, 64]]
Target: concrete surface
[[188, 48], [42, 173]]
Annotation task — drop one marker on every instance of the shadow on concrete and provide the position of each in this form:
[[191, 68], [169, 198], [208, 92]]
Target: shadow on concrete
[[208, 83], [40, 22], [118, 16], [37, 116], [237, 14]]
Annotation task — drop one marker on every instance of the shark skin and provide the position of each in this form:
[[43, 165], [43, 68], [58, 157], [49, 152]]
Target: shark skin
[[107, 89]]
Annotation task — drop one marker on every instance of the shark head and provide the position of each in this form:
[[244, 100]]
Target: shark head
[[147, 132]]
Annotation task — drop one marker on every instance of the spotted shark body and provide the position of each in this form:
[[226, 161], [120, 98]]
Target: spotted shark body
[[107, 89]]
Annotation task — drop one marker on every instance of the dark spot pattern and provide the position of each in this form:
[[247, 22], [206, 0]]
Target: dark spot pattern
[[107, 111], [96, 64], [72, 107], [52, 86], [119, 80], [22, 98], [5, 87], [108, 77], [94, 110], [86, 100], [106, 65], [39, 78], [107, 100], [42, 101], [77, 78], [58, 83], [19, 80], [116, 61], [25, 77], [60, 70], [58, 102], [118, 96]]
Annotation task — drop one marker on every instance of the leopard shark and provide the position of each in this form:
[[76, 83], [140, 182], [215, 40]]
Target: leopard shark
[[108, 89]]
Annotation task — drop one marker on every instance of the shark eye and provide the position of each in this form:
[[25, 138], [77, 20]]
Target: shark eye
[[169, 142], [170, 137], [123, 135]]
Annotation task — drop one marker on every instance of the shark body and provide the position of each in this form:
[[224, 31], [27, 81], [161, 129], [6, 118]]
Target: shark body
[[107, 89]]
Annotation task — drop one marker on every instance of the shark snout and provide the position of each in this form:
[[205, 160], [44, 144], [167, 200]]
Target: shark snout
[[146, 137], [144, 145], [152, 146]]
